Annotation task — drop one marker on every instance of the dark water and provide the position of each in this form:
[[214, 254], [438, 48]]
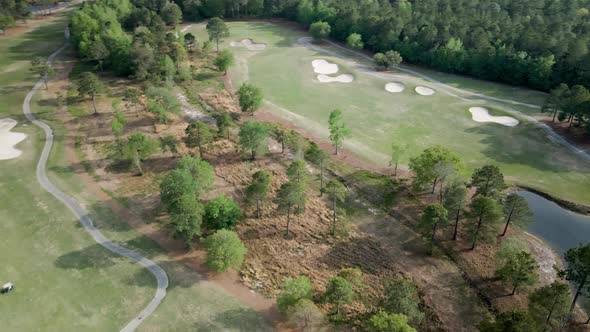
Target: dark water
[[558, 227]]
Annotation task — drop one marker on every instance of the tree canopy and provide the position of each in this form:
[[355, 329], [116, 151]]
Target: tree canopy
[[338, 129], [225, 251], [250, 97], [429, 162]]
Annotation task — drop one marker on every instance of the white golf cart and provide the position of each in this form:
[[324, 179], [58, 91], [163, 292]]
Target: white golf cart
[[7, 287]]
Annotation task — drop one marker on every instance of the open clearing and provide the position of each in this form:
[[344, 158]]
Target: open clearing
[[378, 118]]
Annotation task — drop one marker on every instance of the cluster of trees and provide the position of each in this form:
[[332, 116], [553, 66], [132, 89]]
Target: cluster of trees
[[132, 38], [399, 307], [488, 215], [549, 307], [13, 10], [571, 105], [438, 169], [536, 43]]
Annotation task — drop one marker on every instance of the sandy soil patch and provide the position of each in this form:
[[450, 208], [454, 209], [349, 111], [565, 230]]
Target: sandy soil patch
[[249, 44], [324, 67], [395, 87], [482, 114], [345, 78], [9, 139], [424, 91]]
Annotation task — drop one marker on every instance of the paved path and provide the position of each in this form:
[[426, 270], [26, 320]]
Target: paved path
[[447, 89], [82, 214]]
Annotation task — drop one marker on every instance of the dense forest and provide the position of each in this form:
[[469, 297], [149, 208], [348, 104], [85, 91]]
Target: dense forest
[[536, 43]]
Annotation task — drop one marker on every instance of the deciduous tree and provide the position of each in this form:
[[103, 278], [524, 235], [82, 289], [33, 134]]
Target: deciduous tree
[[386, 322], [305, 315], [225, 251], [200, 171], [513, 321], [253, 135], [292, 291], [320, 30], [250, 98], [138, 148], [224, 60], [355, 41], [339, 292], [222, 213]]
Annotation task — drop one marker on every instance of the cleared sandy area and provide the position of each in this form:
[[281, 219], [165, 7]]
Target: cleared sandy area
[[249, 44], [344, 78], [482, 114], [424, 91], [395, 87], [323, 67], [9, 139]]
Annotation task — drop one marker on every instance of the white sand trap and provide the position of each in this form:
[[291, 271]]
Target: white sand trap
[[249, 44], [344, 78], [481, 114], [424, 91], [323, 67], [9, 139], [395, 87]]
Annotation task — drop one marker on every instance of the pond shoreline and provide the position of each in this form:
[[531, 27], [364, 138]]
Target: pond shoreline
[[574, 207]]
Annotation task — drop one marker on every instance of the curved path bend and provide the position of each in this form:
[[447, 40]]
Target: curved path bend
[[551, 134], [82, 215]]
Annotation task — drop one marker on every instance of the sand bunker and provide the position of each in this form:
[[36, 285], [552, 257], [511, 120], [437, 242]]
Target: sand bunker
[[323, 67], [249, 44], [395, 87], [481, 114], [424, 91], [9, 139], [344, 78]]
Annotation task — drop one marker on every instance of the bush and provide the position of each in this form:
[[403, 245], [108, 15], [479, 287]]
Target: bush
[[385, 322], [355, 41], [339, 292], [222, 213], [305, 315], [401, 296], [320, 30], [354, 275], [225, 250], [293, 290]]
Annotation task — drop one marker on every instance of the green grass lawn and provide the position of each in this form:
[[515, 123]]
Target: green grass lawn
[[378, 118], [64, 280]]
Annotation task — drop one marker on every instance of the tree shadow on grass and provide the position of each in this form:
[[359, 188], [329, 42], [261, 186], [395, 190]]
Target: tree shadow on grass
[[240, 319], [525, 144]]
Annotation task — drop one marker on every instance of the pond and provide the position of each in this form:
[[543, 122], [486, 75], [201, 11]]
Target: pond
[[558, 227]]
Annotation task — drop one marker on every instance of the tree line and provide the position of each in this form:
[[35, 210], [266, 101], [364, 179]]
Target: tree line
[[535, 43]]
